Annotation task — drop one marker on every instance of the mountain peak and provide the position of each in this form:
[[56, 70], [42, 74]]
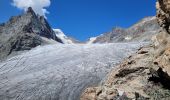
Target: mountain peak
[[30, 10], [24, 32]]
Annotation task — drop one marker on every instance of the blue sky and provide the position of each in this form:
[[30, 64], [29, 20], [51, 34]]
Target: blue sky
[[82, 19]]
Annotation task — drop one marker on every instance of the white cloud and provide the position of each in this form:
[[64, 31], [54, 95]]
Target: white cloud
[[37, 5]]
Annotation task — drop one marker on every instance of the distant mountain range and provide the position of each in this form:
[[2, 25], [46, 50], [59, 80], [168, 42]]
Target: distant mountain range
[[141, 31]]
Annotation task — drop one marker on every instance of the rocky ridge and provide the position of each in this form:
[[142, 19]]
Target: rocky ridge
[[144, 75], [141, 31]]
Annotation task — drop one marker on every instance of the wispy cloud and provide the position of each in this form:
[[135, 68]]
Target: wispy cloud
[[39, 6]]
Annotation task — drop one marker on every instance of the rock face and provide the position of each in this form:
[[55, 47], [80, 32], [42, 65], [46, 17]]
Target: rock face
[[163, 47], [141, 31], [24, 32], [144, 75], [163, 12]]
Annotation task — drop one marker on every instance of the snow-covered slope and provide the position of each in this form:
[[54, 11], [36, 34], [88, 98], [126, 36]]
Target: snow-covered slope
[[59, 71], [59, 33]]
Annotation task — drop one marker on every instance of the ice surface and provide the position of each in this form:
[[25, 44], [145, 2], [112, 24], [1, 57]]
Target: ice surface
[[59, 72]]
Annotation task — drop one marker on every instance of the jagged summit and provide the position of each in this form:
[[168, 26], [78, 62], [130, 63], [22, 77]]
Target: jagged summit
[[39, 25], [24, 32], [30, 10]]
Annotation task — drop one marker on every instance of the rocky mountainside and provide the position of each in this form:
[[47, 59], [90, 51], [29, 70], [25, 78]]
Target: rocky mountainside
[[25, 32], [144, 75], [141, 31]]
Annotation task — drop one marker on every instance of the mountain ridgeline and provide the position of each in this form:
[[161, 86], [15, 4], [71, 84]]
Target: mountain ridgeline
[[140, 32]]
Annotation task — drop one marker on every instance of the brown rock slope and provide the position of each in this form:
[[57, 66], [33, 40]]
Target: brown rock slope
[[144, 75]]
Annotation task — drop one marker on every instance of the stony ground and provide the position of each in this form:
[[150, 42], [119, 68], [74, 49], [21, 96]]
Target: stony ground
[[59, 72]]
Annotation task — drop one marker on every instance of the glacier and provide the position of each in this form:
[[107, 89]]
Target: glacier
[[59, 71]]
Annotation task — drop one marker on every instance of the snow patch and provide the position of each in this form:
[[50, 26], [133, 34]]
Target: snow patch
[[128, 38], [91, 40], [60, 34]]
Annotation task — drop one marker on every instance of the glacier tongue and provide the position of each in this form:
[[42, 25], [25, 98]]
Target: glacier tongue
[[59, 72]]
